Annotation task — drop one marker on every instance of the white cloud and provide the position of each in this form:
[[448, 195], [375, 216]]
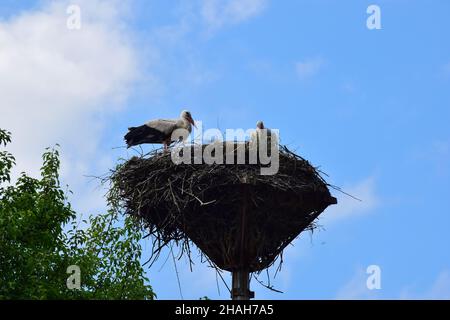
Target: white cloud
[[356, 288], [219, 13], [59, 85], [180, 61], [439, 290], [308, 68], [348, 207]]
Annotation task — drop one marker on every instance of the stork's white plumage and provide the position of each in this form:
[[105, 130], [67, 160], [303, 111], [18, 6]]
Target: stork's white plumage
[[256, 135], [159, 131]]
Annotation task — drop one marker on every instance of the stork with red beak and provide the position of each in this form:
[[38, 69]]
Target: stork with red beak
[[160, 131]]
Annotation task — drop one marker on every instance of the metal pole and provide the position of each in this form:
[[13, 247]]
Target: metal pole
[[241, 286], [241, 277]]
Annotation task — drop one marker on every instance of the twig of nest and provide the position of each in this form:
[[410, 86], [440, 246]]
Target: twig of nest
[[237, 217]]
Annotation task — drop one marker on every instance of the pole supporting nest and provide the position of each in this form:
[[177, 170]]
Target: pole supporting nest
[[241, 277], [241, 286]]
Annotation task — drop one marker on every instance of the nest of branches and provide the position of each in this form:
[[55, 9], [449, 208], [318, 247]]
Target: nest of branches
[[237, 217]]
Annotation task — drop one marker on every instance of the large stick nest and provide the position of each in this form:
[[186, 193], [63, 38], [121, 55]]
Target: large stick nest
[[239, 218]]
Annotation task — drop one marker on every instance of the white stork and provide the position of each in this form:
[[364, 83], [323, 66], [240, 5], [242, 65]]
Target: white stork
[[256, 135], [159, 131]]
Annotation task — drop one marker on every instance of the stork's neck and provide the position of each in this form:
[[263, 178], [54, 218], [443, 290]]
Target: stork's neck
[[185, 124]]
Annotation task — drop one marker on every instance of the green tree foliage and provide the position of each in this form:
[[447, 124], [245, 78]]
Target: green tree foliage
[[40, 239]]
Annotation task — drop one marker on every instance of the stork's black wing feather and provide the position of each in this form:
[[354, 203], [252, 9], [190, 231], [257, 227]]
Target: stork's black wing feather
[[143, 134]]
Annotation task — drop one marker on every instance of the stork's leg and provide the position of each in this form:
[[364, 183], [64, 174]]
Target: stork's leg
[[165, 146]]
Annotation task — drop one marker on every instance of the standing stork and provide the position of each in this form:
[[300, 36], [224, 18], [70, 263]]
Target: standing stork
[[260, 128], [160, 131]]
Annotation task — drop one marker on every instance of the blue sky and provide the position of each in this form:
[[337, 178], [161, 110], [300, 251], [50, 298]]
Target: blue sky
[[371, 107]]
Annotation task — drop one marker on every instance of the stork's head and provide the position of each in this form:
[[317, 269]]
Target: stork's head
[[186, 115], [260, 125]]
